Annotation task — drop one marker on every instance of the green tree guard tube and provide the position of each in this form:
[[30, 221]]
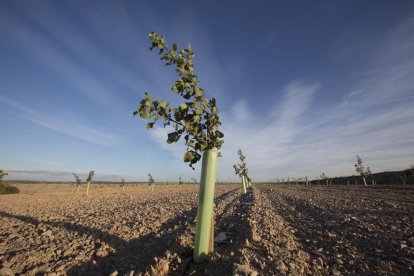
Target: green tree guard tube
[[205, 205]]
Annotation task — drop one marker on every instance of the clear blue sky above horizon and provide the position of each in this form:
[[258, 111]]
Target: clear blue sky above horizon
[[302, 86]]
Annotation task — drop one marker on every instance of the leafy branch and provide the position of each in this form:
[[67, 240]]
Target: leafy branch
[[196, 118]]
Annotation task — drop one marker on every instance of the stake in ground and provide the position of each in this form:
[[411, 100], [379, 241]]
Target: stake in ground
[[196, 118]]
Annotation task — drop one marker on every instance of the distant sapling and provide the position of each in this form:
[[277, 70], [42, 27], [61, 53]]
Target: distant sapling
[[78, 182], [151, 182], [359, 167], [89, 181]]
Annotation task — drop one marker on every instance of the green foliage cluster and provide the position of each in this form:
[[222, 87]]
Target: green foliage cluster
[[241, 168], [78, 180], [2, 174], [196, 118], [359, 167], [6, 188], [150, 180], [90, 176]]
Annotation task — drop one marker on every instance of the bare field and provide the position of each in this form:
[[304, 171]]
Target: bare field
[[271, 230]]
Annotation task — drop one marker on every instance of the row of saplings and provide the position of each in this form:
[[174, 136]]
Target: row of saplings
[[78, 183], [364, 173]]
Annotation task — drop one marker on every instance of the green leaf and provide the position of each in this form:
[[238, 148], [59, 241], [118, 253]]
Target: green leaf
[[148, 103], [173, 137], [189, 156], [164, 104], [183, 106], [143, 114], [219, 134], [199, 91], [150, 125], [174, 46]]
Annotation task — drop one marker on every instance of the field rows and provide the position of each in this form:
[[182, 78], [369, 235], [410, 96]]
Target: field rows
[[271, 230]]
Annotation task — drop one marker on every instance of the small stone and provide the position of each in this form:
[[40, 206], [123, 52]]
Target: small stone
[[281, 266], [47, 233], [115, 273], [244, 270], [336, 272]]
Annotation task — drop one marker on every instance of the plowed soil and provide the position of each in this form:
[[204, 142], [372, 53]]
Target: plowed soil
[[271, 230]]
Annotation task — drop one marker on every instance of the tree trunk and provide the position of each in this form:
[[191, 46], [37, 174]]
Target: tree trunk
[[365, 182], [205, 206], [244, 184], [87, 188]]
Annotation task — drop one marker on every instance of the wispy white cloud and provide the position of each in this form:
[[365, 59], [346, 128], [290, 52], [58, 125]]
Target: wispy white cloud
[[374, 119], [63, 124]]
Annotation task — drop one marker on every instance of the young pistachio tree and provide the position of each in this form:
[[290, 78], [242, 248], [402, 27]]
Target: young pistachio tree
[[369, 173], [324, 178], [78, 182], [151, 182], [239, 172], [89, 181], [196, 119], [359, 167], [123, 184], [243, 168]]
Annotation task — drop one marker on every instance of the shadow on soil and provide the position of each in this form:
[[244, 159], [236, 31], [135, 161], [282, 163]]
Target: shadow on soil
[[136, 254], [234, 221], [315, 224]]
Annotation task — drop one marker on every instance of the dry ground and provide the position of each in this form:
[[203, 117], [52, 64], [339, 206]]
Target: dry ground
[[271, 230]]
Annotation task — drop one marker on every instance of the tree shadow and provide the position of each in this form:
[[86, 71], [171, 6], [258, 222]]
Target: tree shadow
[[136, 254], [234, 221]]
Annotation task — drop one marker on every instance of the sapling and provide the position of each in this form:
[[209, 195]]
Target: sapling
[[324, 177], [197, 120], [78, 182], [243, 167], [123, 184], [89, 181], [238, 171], [151, 182], [369, 173], [359, 167]]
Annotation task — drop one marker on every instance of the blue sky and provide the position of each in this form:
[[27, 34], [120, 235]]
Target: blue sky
[[302, 86]]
